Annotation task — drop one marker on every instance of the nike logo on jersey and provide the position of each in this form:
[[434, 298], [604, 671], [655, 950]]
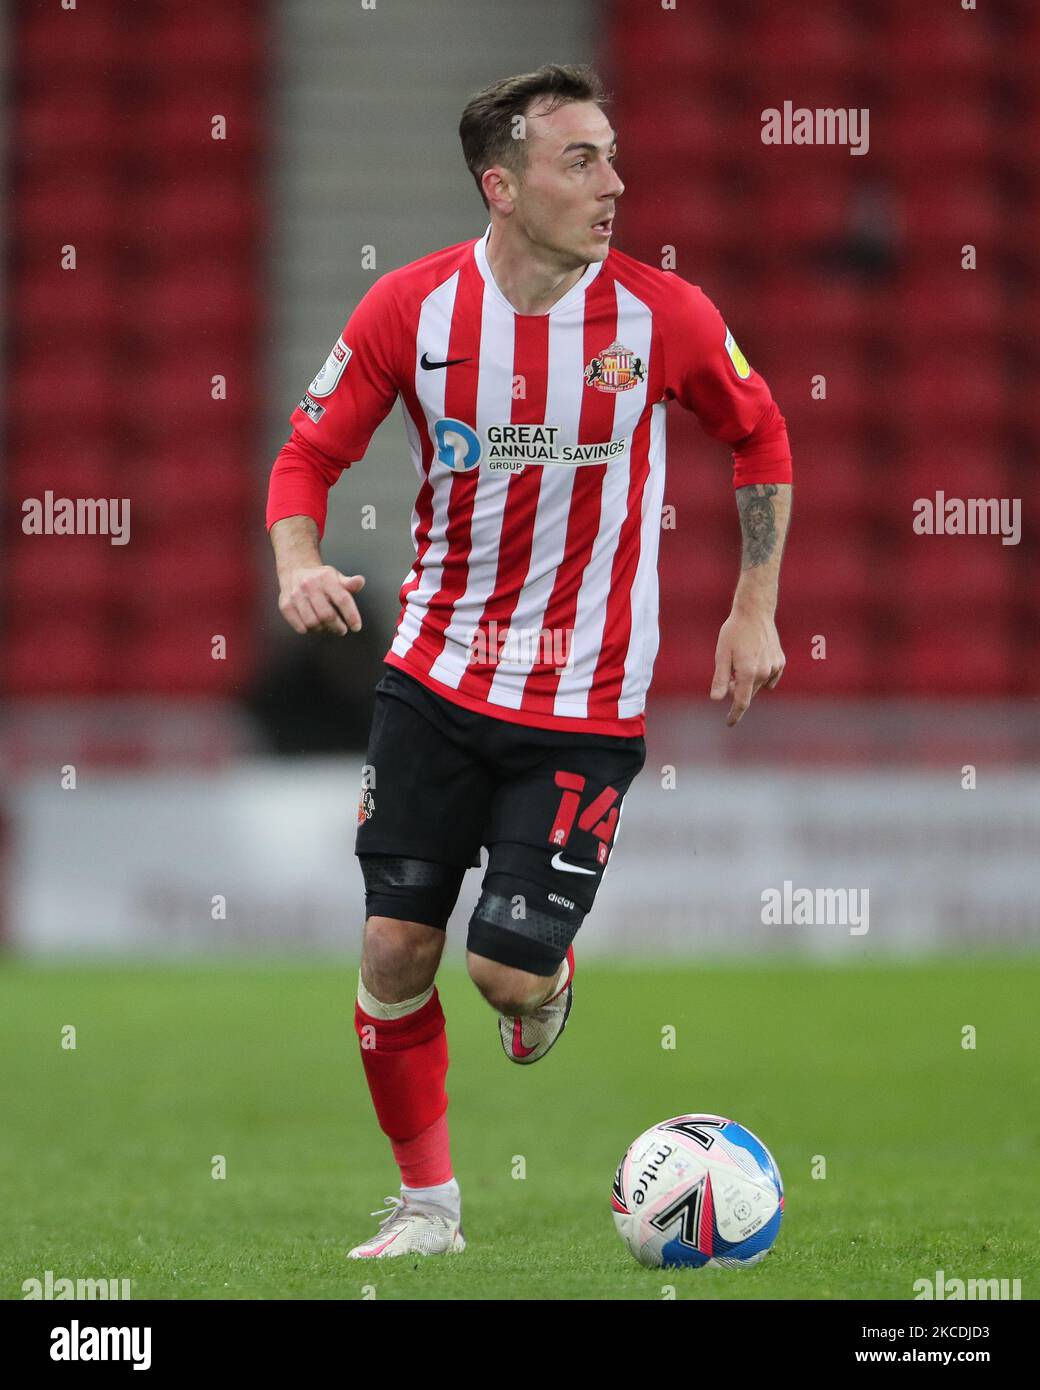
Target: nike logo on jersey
[[429, 366], [558, 862]]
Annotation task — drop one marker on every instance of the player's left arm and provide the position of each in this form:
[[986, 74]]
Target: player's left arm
[[748, 655], [707, 373]]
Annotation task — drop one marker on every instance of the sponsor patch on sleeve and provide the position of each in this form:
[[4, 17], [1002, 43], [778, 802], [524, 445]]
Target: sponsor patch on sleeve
[[328, 378], [312, 408], [740, 362]]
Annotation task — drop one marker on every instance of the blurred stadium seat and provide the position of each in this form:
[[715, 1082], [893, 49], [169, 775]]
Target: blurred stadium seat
[[115, 354], [851, 268]]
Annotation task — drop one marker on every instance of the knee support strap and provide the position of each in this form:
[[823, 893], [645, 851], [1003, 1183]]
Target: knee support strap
[[517, 923], [410, 890]]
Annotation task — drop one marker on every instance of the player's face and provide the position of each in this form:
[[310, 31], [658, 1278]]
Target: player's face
[[565, 199]]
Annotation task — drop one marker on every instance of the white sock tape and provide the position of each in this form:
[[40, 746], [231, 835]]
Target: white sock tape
[[377, 1009]]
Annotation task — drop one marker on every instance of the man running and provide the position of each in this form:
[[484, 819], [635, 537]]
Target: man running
[[533, 365]]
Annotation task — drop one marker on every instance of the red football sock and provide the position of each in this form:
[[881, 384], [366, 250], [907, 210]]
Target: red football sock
[[425, 1160], [406, 1064]]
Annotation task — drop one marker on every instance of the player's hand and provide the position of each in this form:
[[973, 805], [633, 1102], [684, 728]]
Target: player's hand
[[748, 656], [319, 599]]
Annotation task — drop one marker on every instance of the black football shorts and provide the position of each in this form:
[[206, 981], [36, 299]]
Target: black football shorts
[[440, 781]]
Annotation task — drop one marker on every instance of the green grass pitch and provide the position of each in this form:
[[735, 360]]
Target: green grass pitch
[[932, 1150]]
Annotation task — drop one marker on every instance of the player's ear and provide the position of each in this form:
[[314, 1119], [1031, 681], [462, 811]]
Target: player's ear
[[498, 188]]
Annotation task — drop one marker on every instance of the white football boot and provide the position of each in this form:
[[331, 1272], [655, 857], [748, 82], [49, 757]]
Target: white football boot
[[528, 1038], [411, 1230]]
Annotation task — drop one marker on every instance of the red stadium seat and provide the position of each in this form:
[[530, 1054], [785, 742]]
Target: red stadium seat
[[819, 214], [937, 42], [81, 43], [783, 40], [939, 305], [677, 48], [842, 664], [973, 575], [201, 308], [82, 467], [694, 128], [698, 225], [174, 131], [82, 208], [828, 312], [686, 659], [180, 397], [221, 42], [89, 300], [197, 572], [63, 134], [172, 479], [1024, 410], [954, 394], [212, 213], [944, 129], [67, 575], [1021, 231], [834, 484], [175, 656], [940, 217], [845, 378], [111, 362], [831, 569], [68, 383], [700, 479], [960, 657], [958, 468], [58, 654], [922, 388], [701, 570]]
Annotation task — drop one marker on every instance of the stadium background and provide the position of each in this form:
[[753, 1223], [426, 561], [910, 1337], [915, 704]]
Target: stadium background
[[200, 259], [213, 806]]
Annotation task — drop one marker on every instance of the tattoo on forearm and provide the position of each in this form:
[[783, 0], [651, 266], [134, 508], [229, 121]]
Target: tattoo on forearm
[[757, 523]]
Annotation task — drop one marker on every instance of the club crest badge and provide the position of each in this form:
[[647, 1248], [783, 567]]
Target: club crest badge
[[615, 369], [366, 806]]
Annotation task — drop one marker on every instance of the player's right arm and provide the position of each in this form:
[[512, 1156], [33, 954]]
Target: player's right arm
[[312, 596], [332, 426]]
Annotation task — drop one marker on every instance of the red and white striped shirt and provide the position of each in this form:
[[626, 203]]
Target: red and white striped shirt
[[539, 444]]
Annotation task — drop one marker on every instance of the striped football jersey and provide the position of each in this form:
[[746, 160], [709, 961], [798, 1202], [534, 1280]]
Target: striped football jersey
[[538, 442]]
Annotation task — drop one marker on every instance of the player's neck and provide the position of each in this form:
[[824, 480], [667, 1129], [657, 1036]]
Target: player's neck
[[531, 283]]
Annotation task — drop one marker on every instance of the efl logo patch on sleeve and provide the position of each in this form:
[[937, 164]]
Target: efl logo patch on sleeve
[[740, 362], [328, 378]]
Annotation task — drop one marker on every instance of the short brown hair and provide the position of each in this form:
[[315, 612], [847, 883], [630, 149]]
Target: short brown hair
[[487, 126]]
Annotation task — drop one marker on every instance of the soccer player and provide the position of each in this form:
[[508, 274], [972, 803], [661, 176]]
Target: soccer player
[[533, 365]]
